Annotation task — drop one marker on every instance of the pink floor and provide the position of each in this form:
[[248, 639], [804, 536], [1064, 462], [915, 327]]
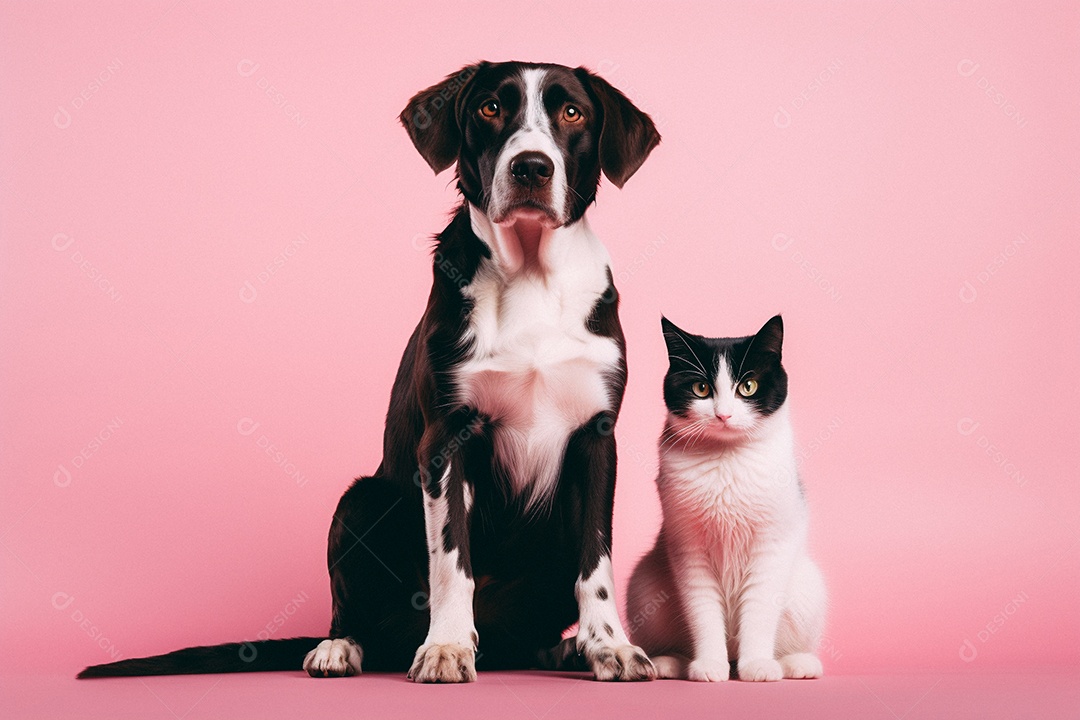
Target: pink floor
[[1023, 694]]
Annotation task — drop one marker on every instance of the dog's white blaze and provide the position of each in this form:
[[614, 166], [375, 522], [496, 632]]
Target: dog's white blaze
[[451, 599], [535, 115], [534, 135], [534, 367]]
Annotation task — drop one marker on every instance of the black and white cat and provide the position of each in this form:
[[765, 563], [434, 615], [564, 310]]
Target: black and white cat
[[729, 585]]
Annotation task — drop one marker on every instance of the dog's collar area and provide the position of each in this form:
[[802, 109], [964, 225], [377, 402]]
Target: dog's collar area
[[523, 243]]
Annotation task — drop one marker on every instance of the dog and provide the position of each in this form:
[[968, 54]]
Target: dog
[[486, 530]]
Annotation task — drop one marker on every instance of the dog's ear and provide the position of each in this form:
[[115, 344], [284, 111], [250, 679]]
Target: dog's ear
[[432, 118], [627, 136]]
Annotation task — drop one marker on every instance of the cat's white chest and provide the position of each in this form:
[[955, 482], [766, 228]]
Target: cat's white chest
[[534, 367], [733, 488], [736, 504]]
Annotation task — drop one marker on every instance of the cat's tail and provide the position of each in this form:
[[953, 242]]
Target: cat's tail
[[256, 656]]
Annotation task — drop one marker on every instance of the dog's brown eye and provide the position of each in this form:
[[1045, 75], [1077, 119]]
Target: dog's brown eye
[[571, 114], [490, 109], [702, 390]]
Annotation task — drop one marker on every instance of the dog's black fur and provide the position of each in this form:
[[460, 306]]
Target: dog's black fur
[[524, 563]]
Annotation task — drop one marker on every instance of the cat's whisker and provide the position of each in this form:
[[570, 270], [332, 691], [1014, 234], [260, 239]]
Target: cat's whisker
[[700, 432], [686, 432], [669, 436]]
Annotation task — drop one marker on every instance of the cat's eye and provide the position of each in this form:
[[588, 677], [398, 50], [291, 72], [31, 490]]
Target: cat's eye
[[571, 114], [748, 387], [490, 109], [702, 390]]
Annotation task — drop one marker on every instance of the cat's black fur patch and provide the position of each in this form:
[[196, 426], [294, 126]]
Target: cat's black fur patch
[[695, 358]]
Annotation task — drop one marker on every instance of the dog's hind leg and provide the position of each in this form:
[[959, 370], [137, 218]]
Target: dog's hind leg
[[376, 557]]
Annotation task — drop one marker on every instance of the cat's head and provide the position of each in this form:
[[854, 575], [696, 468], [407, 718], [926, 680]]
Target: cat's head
[[723, 389]]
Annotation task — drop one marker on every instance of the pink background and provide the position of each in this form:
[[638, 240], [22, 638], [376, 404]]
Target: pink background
[[900, 180]]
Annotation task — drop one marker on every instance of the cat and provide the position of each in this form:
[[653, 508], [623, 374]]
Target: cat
[[728, 589]]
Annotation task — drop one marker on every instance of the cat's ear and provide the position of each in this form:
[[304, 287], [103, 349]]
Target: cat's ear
[[674, 337], [770, 338]]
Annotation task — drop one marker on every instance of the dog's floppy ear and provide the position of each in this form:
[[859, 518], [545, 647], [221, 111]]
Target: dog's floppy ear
[[432, 118], [628, 135]]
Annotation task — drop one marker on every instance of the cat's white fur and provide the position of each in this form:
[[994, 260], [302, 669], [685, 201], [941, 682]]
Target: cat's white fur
[[729, 577]]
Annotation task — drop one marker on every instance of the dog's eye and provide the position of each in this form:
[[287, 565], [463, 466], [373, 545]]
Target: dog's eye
[[490, 109], [748, 387], [571, 114], [702, 390]]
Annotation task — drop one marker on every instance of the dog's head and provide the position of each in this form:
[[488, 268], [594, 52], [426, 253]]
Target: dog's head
[[529, 140]]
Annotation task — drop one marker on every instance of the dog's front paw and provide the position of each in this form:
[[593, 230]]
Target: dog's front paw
[[339, 657], [619, 662], [709, 670], [436, 663], [760, 670]]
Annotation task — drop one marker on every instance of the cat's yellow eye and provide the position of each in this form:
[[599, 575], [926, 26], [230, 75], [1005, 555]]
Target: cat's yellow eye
[[748, 387], [489, 109], [702, 390]]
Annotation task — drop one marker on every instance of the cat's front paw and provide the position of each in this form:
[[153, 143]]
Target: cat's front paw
[[619, 662], [760, 670], [801, 666], [709, 670]]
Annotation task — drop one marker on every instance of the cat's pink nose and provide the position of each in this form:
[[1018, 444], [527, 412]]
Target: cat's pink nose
[[722, 418]]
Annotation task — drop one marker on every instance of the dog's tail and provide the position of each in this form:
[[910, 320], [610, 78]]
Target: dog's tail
[[255, 656]]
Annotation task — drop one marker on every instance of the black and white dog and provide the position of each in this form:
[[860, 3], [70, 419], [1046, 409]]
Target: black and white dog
[[486, 530]]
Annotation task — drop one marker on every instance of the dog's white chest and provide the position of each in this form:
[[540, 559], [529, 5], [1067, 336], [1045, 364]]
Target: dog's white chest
[[534, 361], [535, 368]]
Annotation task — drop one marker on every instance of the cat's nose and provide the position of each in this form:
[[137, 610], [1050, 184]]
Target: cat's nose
[[722, 418]]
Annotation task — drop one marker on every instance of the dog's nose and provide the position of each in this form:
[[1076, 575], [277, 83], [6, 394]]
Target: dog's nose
[[532, 169]]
